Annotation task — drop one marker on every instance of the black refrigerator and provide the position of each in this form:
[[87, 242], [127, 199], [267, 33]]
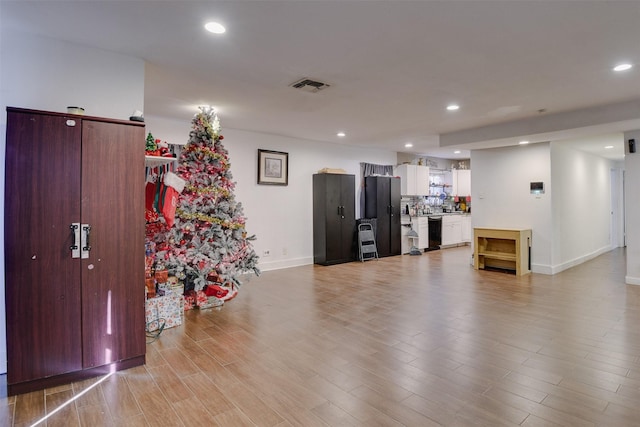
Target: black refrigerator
[[382, 201]]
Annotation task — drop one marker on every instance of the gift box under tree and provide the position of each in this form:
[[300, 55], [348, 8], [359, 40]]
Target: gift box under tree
[[165, 310]]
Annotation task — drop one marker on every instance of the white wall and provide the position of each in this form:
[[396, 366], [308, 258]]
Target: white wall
[[581, 205], [500, 195], [50, 75], [571, 221], [632, 208], [433, 162], [280, 216]]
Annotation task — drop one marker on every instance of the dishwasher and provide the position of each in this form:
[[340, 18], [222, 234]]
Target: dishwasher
[[435, 232]]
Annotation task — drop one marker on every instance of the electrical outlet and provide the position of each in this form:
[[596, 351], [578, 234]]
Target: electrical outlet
[[265, 253], [284, 251]]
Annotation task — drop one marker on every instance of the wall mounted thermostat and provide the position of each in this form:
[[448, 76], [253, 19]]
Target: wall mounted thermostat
[[536, 187]]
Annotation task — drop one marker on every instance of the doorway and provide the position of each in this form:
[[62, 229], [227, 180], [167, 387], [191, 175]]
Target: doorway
[[616, 231]]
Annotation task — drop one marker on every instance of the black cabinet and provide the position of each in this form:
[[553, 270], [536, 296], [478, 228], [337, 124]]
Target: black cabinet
[[334, 218], [382, 201]]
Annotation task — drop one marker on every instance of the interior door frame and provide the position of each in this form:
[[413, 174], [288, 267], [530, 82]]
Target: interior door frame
[[617, 221]]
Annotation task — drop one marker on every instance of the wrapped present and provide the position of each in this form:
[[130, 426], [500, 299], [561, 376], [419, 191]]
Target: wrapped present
[[205, 301], [164, 288], [150, 284], [177, 289], [162, 276], [211, 302], [189, 300], [166, 309], [201, 298], [175, 285]]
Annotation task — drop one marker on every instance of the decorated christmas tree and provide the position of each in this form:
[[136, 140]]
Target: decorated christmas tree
[[151, 144], [208, 243]]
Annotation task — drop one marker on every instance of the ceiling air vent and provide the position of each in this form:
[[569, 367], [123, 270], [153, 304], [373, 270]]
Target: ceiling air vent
[[309, 85]]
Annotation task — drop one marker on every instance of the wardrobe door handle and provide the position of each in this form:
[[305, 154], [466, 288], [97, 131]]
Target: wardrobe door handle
[[75, 232], [86, 243]]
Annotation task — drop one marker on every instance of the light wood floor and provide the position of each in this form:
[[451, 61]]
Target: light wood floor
[[414, 341]]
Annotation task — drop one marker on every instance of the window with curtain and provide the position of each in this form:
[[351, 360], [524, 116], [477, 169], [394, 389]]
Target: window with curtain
[[371, 169]]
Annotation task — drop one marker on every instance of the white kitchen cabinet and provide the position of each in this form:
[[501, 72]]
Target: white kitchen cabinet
[[421, 226], [422, 181], [451, 230], [461, 182], [466, 229], [405, 243], [414, 179]]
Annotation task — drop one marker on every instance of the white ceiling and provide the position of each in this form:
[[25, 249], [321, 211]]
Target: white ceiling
[[393, 66]]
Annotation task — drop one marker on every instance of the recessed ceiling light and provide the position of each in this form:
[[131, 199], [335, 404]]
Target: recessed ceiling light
[[408, 145], [608, 147], [341, 134], [453, 107], [457, 152], [215, 27], [523, 142], [622, 67]]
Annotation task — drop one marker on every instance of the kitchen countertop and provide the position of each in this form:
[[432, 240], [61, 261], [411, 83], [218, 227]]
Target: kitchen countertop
[[406, 219], [437, 214]]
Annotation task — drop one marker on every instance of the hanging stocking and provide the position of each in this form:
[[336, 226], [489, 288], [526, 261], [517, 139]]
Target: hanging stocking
[[173, 186], [151, 189]]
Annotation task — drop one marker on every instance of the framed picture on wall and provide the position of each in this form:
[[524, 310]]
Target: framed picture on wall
[[273, 167]]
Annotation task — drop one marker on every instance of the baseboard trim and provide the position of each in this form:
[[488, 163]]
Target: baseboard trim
[[286, 263], [632, 280], [555, 269], [535, 268], [541, 269]]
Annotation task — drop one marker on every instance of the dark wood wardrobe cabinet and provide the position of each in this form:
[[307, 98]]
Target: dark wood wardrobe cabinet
[[334, 220], [382, 201], [74, 247]]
